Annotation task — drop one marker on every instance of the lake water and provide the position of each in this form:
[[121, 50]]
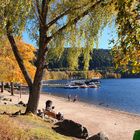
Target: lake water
[[121, 94]]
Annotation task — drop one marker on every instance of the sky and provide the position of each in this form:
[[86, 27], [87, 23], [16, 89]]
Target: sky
[[108, 33]]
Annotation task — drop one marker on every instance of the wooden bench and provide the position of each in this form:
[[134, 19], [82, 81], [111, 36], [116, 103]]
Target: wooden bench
[[52, 114]]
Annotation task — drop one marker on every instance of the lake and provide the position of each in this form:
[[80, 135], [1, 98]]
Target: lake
[[120, 94]]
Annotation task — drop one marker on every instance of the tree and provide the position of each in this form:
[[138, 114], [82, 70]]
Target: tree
[[127, 50], [54, 20], [10, 71]]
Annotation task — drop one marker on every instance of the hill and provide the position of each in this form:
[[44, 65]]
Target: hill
[[101, 59], [101, 62]]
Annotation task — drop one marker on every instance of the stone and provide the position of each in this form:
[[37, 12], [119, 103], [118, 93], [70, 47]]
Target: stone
[[17, 113], [7, 99], [71, 128], [22, 103], [99, 136]]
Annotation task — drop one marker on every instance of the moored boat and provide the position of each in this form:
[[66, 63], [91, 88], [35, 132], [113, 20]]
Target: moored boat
[[92, 85], [83, 86], [93, 81], [71, 87]]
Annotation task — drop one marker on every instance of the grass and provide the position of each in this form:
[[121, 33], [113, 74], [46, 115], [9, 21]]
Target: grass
[[11, 108], [10, 130], [26, 127]]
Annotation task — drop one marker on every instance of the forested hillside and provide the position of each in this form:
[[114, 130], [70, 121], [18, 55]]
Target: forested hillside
[[101, 59]]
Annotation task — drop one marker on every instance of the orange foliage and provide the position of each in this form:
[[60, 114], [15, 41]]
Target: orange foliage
[[9, 69], [93, 74]]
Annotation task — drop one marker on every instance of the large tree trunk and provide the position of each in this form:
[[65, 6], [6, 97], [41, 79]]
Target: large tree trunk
[[40, 64], [34, 94], [34, 91], [35, 86]]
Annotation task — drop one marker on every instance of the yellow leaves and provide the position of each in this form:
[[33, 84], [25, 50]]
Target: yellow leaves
[[9, 70], [130, 61], [26, 50]]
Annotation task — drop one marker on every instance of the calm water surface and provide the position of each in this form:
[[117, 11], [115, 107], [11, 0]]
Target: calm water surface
[[121, 94]]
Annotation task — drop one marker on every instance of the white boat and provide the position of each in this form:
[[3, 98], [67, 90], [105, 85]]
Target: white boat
[[84, 86], [92, 85], [71, 86], [93, 81]]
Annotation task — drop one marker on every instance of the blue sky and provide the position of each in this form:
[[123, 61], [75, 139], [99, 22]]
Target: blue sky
[[27, 39], [108, 33]]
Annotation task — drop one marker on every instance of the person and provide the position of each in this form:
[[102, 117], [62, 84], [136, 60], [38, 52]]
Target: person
[[75, 98], [39, 113], [59, 116], [48, 105], [52, 110], [69, 97]]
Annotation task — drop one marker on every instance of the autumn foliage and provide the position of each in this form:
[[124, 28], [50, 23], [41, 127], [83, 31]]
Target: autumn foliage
[[9, 69]]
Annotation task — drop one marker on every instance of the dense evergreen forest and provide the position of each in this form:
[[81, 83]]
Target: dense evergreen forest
[[101, 59]]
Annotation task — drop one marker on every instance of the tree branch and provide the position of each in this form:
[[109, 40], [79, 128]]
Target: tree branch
[[74, 21], [18, 56], [44, 11], [37, 11], [65, 13], [57, 18], [38, 7]]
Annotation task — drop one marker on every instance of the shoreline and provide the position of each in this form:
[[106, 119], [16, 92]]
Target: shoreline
[[117, 125], [95, 105]]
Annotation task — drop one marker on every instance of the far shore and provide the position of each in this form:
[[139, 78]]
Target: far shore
[[117, 125]]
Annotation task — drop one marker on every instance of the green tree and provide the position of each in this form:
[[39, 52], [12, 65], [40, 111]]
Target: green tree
[[50, 21], [127, 50], [75, 49]]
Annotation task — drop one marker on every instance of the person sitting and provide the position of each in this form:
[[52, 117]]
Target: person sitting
[[59, 116], [39, 113], [49, 111], [48, 105]]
